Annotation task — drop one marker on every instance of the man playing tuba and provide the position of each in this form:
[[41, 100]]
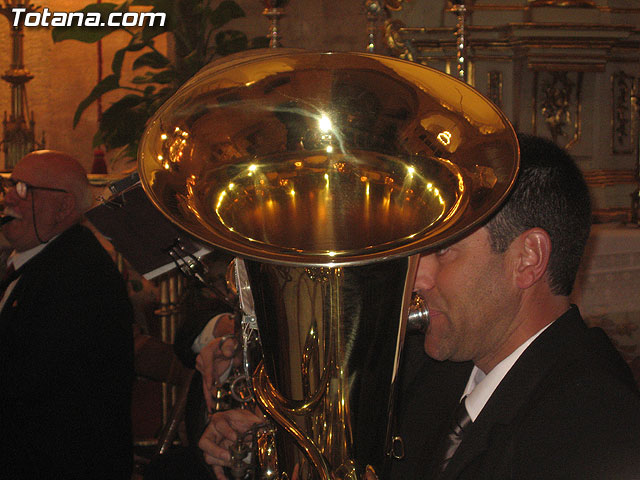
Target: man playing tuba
[[499, 300]]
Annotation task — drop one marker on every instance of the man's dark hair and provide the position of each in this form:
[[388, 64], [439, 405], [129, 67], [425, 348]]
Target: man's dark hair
[[549, 193]]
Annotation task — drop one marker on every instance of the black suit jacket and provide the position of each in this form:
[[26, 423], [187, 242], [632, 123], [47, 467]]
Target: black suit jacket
[[568, 409], [66, 366], [428, 392], [199, 306]]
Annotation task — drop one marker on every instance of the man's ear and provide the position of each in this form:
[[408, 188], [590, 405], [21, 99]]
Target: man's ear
[[66, 208], [531, 257]]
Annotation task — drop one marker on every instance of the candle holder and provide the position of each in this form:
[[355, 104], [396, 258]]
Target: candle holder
[[459, 8], [19, 126], [373, 8], [274, 11], [563, 3]]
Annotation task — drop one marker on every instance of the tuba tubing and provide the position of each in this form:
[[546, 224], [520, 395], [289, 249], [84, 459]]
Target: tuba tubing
[[331, 358]]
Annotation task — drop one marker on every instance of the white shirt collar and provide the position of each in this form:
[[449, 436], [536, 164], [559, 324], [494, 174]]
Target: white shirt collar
[[480, 387], [20, 258]]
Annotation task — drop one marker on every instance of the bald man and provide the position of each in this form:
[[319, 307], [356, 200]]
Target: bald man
[[66, 353]]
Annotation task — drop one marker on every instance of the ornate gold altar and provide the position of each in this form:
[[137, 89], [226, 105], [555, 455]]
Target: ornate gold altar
[[567, 70]]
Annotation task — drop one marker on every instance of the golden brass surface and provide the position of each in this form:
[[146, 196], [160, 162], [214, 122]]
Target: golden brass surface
[[327, 173], [331, 341], [326, 158]]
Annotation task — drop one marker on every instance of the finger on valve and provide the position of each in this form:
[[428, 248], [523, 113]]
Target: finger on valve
[[214, 442], [214, 360], [226, 427], [223, 432], [219, 473]]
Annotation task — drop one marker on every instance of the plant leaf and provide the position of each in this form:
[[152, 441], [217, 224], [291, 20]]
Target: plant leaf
[[123, 122], [259, 42], [196, 28], [108, 83], [163, 77], [118, 59], [150, 32], [83, 33], [148, 91], [136, 45], [159, 6], [224, 13], [230, 41], [159, 99], [128, 154], [151, 59], [189, 65], [97, 139]]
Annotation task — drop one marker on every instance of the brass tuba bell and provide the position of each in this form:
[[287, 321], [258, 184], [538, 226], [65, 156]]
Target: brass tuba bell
[[327, 173]]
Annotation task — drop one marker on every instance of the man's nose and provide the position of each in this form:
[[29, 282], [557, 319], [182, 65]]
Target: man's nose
[[9, 196], [427, 269]]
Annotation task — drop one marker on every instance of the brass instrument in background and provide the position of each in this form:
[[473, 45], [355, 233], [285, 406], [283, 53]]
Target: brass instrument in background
[[327, 173]]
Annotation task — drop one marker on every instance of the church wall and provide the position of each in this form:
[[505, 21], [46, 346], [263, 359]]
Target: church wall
[[597, 49], [64, 73]]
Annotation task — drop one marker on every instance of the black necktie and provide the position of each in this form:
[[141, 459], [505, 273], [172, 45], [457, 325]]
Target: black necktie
[[459, 422], [9, 276]]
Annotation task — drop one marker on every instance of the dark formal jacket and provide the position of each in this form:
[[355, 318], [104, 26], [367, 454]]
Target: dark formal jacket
[[199, 306], [568, 409], [66, 366], [428, 392]]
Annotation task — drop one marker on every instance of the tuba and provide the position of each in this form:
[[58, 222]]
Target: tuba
[[327, 174]]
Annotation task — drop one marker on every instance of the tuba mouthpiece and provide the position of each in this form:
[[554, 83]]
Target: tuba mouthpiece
[[418, 319]]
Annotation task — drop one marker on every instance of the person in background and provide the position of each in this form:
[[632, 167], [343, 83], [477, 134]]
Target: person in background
[[203, 341], [66, 344]]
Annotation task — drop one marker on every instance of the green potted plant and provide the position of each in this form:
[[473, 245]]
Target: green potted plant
[[199, 37]]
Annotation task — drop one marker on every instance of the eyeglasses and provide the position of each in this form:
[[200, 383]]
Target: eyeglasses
[[22, 188]]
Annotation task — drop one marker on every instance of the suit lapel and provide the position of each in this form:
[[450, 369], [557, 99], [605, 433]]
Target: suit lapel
[[411, 374], [516, 389], [37, 266], [12, 300]]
